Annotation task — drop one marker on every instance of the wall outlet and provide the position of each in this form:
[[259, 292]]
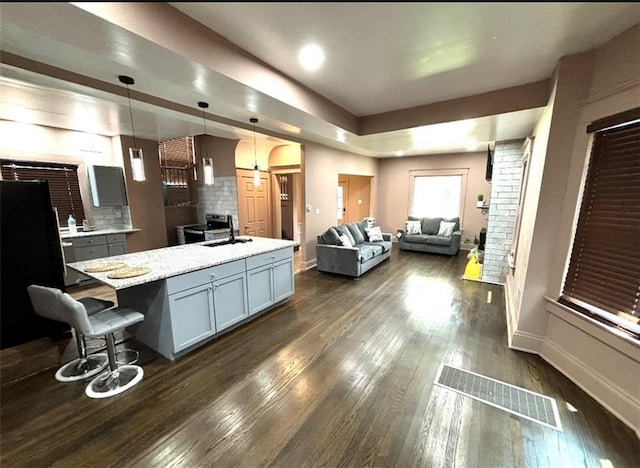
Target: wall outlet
[[317, 211]]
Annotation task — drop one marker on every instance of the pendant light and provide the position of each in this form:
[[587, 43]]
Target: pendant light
[[256, 169], [135, 153], [207, 163]]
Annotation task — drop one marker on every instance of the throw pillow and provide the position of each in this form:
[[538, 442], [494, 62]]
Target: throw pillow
[[446, 229], [375, 234], [413, 228], [345, 241]]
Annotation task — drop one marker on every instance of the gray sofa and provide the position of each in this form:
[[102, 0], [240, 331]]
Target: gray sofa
[[429, 241], [333, 257]]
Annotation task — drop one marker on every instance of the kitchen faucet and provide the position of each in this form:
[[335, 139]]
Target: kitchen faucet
[[232, 237]]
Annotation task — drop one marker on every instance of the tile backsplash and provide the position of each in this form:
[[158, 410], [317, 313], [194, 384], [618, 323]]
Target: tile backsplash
[[111, 217]]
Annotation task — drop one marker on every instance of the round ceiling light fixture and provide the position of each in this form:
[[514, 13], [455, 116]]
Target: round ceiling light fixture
[[311, 57]]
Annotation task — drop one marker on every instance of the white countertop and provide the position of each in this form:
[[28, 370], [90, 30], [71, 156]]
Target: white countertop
[[97, 232], [172, 261]]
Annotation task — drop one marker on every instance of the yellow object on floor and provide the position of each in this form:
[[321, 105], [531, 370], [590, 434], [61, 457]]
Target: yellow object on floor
[[473, 269]]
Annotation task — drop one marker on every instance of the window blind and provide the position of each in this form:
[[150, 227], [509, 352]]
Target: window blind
[[603, 277], [63, 184]]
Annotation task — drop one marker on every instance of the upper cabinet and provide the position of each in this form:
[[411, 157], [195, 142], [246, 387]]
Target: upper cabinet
[[107, 185]]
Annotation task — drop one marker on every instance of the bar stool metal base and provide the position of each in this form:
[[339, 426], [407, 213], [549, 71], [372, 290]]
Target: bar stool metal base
[[127, 356], [111, 383], [82, 368]]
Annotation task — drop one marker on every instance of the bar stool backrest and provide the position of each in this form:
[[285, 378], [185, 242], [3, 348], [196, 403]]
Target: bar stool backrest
[[54, 304]]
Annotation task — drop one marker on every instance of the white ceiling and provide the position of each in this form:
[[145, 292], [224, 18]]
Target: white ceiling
[[380, 57]]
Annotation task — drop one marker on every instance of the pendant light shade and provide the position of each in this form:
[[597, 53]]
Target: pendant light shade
[[135, 153], [207, 163], [256, 169]]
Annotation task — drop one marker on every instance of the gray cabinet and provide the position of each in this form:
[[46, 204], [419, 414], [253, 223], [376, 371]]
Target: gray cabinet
[[89, 248], [192, 317], [116, 244], [269, 279], [186, 311], [230, 301], [214, 299]]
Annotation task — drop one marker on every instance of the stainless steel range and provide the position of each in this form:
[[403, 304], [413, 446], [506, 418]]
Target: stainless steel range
[[198, 232]]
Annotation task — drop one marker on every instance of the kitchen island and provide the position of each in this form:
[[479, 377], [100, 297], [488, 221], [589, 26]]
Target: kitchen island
[[192, 293]]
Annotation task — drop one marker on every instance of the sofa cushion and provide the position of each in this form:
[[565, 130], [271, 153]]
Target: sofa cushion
[[331, 237], [343, 229], [416, 239], [438, 240], [383, 246], [446, 228], [430, 225], [358, 237], [363, 226], [367, 252]]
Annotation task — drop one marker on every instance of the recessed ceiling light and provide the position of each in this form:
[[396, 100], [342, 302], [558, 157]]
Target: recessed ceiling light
[[311, 57], [399, 153]]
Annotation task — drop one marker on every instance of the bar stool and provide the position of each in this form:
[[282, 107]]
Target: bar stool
[[104, 323], [85, 365]]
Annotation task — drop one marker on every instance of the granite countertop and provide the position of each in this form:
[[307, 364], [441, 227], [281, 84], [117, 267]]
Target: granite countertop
[[97, 232], [172, 261]]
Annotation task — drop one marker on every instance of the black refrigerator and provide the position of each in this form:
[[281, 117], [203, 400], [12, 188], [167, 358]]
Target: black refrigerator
[[31, 253]]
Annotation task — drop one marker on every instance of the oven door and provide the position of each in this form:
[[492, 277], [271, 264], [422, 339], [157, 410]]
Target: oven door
[[191, 236]]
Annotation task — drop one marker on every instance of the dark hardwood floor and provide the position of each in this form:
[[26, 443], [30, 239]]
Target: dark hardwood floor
[[340, 376]]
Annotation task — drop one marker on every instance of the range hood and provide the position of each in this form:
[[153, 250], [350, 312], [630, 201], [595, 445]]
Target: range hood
[[107, 186]]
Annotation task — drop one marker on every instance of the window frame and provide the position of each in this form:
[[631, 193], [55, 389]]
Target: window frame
[[71, 203], [609, 318], [457, 172]]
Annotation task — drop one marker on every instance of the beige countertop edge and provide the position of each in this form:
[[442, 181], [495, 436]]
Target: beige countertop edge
[[97, 232]]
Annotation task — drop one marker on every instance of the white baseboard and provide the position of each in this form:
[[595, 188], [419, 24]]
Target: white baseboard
[[527, 342], [614, 399]]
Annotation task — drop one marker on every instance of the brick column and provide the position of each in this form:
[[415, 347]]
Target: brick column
[[503, 207]]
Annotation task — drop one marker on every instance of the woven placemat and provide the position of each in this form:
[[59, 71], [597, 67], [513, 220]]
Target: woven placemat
[[129, 272], [105, 266]]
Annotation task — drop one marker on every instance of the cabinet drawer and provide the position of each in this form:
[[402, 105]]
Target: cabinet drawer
[[89, 241], [269, 257], [206, 275], [91, 252], [113, 238]]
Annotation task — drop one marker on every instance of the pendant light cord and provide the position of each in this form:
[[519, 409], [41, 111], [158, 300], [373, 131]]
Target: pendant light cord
[[204, 121], [133, 130]]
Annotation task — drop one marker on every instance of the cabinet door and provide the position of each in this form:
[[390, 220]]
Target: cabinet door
[[192, 317], [230, 301], [260, 288], [117, 249], [283, 282]]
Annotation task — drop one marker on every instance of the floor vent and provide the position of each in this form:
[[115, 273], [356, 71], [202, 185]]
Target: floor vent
[[529, 405]]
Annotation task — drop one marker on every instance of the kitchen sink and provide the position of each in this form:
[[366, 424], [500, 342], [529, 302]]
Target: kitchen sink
[[226, 242]]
